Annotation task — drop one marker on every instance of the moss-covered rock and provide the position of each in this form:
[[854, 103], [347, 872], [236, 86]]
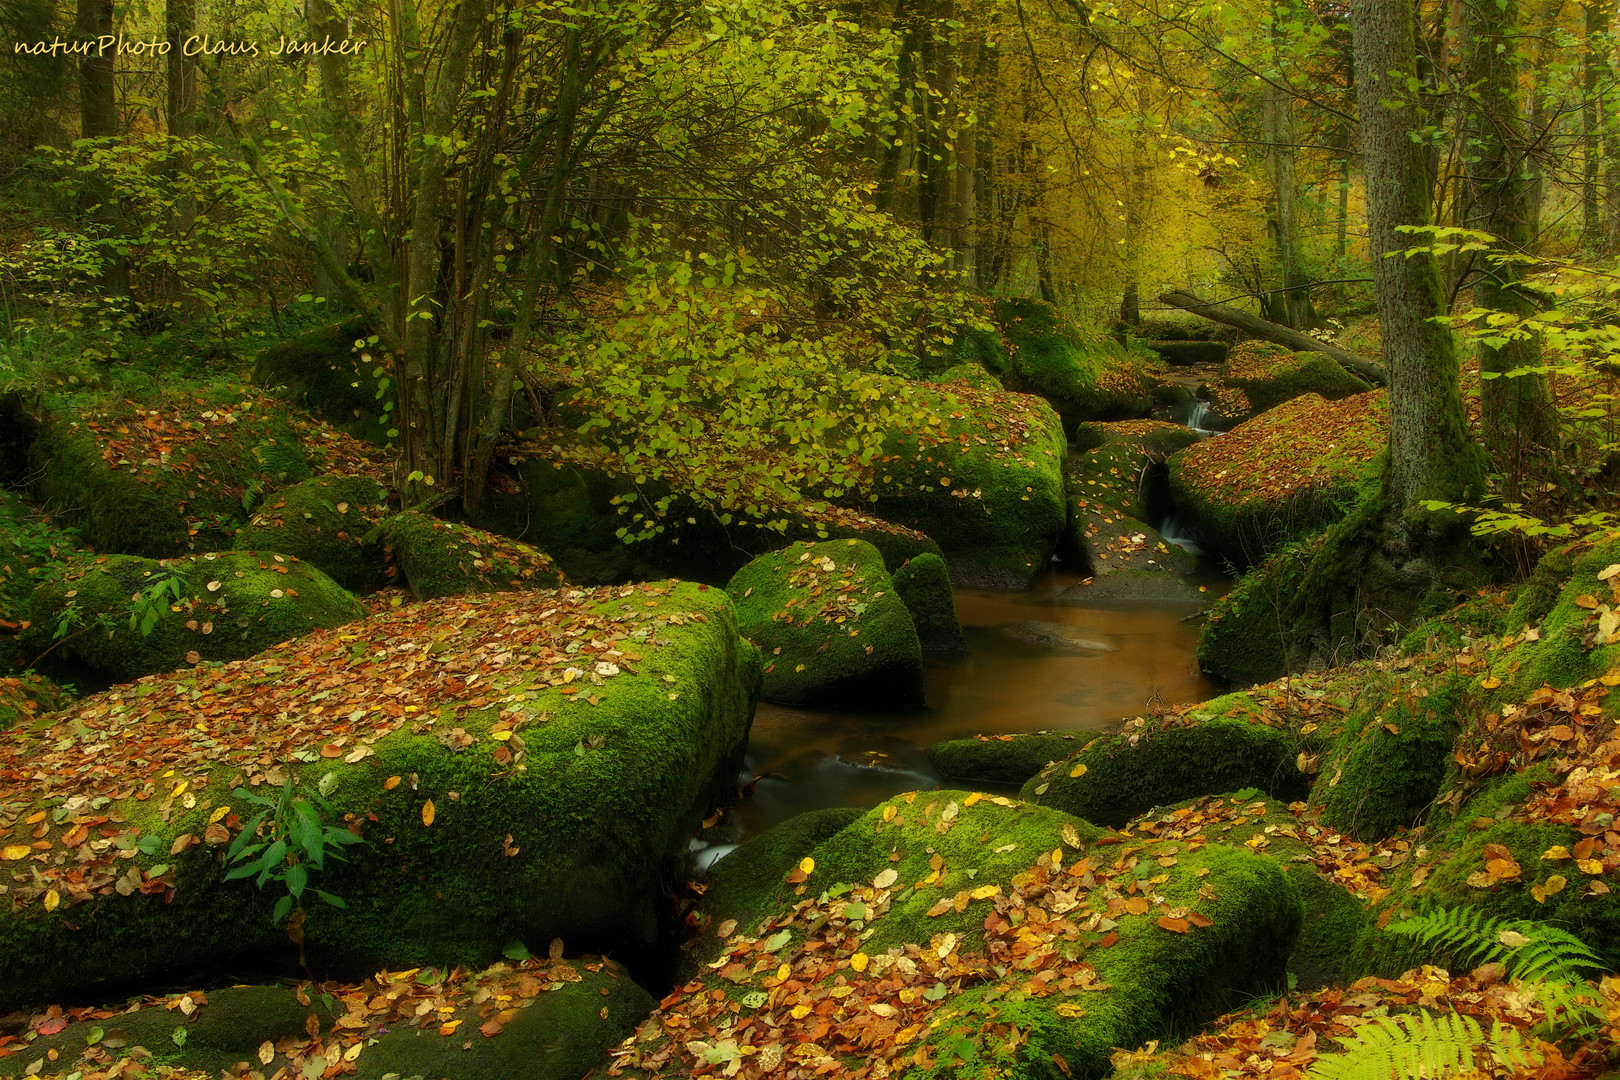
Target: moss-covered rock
[[1096, 380], [1260, 375], [832, 627], [1244, 640], [538, 1021], [940, 923], [970, 375], [322, 371], [222, 606], [1190, 352], [442, 558], [1001, 759], [163, 479], [1570, 643], [1281, 476], [525, 766], [1224, 745], [324, 522], [27, 696], [924, 584]]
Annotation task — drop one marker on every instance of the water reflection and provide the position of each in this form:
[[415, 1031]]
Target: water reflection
[[812, 758]]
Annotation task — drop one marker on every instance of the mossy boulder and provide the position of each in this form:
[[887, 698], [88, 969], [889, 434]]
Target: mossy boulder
[[1260, 375], [1244, 640], [1575, 635], [1157, 439], [442, 558], [1002, 759], [1083, 380], [523, 766], [987, 484], [937, 924], [924, 584], [222, 606], [1183, 353], [970, 375], [323, 371], [27, 696], [1282, 476], [539, 1020], [831, 625], [165, 479], [324, 522], [1224, 745], [1129, 586]]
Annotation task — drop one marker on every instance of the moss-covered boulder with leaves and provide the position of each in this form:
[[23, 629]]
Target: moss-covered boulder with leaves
[[124, 616], [1222, 745], [521, 767], [539, 1019], [27, 696], [1260, 375], [1567, 617], [442, 558], [1281, 476], [324, 522], [1002, 759], [1083, 380], [1245, 639], [325, 372], [924, 583], [831, 626], [970, 375], [951, 934], [165, 478]]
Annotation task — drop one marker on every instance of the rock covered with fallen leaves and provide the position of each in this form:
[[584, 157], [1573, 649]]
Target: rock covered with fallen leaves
[[963, 935], [324, 521], [1280, 476], [521, 767], [1083, 380], [443, 558], [1260, 375], [124, 616], [830, 625], [535, 1018]]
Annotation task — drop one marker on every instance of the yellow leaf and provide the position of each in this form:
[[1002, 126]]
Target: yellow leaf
[[1078, 771], [971, 799], [391, 783], [1491, 683], [267, 1052], [427, 812], [859, 961], [1590, 866], [799, 1011], [500, 736], [888, 813], [15, 852], [985, 892], [219, 812], [53, 900], [807, 864], [783, 972], [449, 1028]]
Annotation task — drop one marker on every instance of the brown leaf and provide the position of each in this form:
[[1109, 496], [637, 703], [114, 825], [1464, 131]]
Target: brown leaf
[[1175, 926]]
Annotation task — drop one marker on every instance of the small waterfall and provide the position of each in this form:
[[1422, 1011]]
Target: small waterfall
[[1198, 417], [1174, 532]]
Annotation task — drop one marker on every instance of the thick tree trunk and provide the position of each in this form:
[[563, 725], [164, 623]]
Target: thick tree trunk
[[1431, 453], [1282, 335], [1515, 413], [98, 106]]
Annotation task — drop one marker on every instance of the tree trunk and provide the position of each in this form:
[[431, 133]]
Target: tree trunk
[[1295, 304], [1514, 412], [1271, 331], [98, 106], [1431, 453]]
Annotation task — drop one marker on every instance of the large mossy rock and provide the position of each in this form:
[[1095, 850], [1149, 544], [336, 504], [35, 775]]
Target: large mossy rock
[[167, 478], [924, 583], [222, 606], [1222, 745], [1002, 759], [324, 522], [831, 626], [1281, 476], [1566, 605], [536, 1020], [525, 766], [1260, 375], [1083, 380], [963, 934], [442, 558], [323, 372]]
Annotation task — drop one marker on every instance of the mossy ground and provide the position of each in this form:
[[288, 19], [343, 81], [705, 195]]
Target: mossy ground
[[831, 625], [324, 522], [441, 558], [226, 606]]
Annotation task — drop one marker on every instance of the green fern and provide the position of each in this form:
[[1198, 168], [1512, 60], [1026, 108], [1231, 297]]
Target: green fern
[[1420, 1045], [1530, 951]]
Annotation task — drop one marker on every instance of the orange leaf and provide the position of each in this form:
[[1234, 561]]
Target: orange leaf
[[391, 783], [1137, 905], [490, 1029], [1175, 926], [427, 812]]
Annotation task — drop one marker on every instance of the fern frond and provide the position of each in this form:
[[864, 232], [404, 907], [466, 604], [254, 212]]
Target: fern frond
[[1468, 937], [1421, 1046]]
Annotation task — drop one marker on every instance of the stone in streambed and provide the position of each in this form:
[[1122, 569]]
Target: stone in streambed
[[924, 583], [442, 558], [1055, 637], [1002, 759]]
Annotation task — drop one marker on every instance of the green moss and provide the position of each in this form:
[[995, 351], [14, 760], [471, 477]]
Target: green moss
[[441, 558], [231, 605], [924, 584], [832, 626], [158, 503], [598, 808], [324, 522], [969, 375], [1567, 651], [1287, 375], [1010, 759], [28, 695], [322, 371], [1097, 380], [1127, 774]]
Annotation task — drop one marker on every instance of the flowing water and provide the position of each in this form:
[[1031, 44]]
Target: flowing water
[[1110, 664]]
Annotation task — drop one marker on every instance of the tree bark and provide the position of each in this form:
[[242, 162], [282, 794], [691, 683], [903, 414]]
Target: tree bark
[[98, 106], [1431, 453], [1282, 335]]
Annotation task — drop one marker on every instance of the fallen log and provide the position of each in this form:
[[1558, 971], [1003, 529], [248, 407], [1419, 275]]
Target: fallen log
[[1282, 335]]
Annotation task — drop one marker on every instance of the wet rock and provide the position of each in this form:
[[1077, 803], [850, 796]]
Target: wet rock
[[924, 583], [1002, 759], [1133, 585]]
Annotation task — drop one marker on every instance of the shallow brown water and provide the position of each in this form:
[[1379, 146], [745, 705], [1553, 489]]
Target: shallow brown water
[[814, 758]]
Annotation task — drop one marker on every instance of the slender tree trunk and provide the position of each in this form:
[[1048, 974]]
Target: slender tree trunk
[[1341, 234], [1594, 74], [1431, 453], [967, 160], [1294, 305], [1130, 305]]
